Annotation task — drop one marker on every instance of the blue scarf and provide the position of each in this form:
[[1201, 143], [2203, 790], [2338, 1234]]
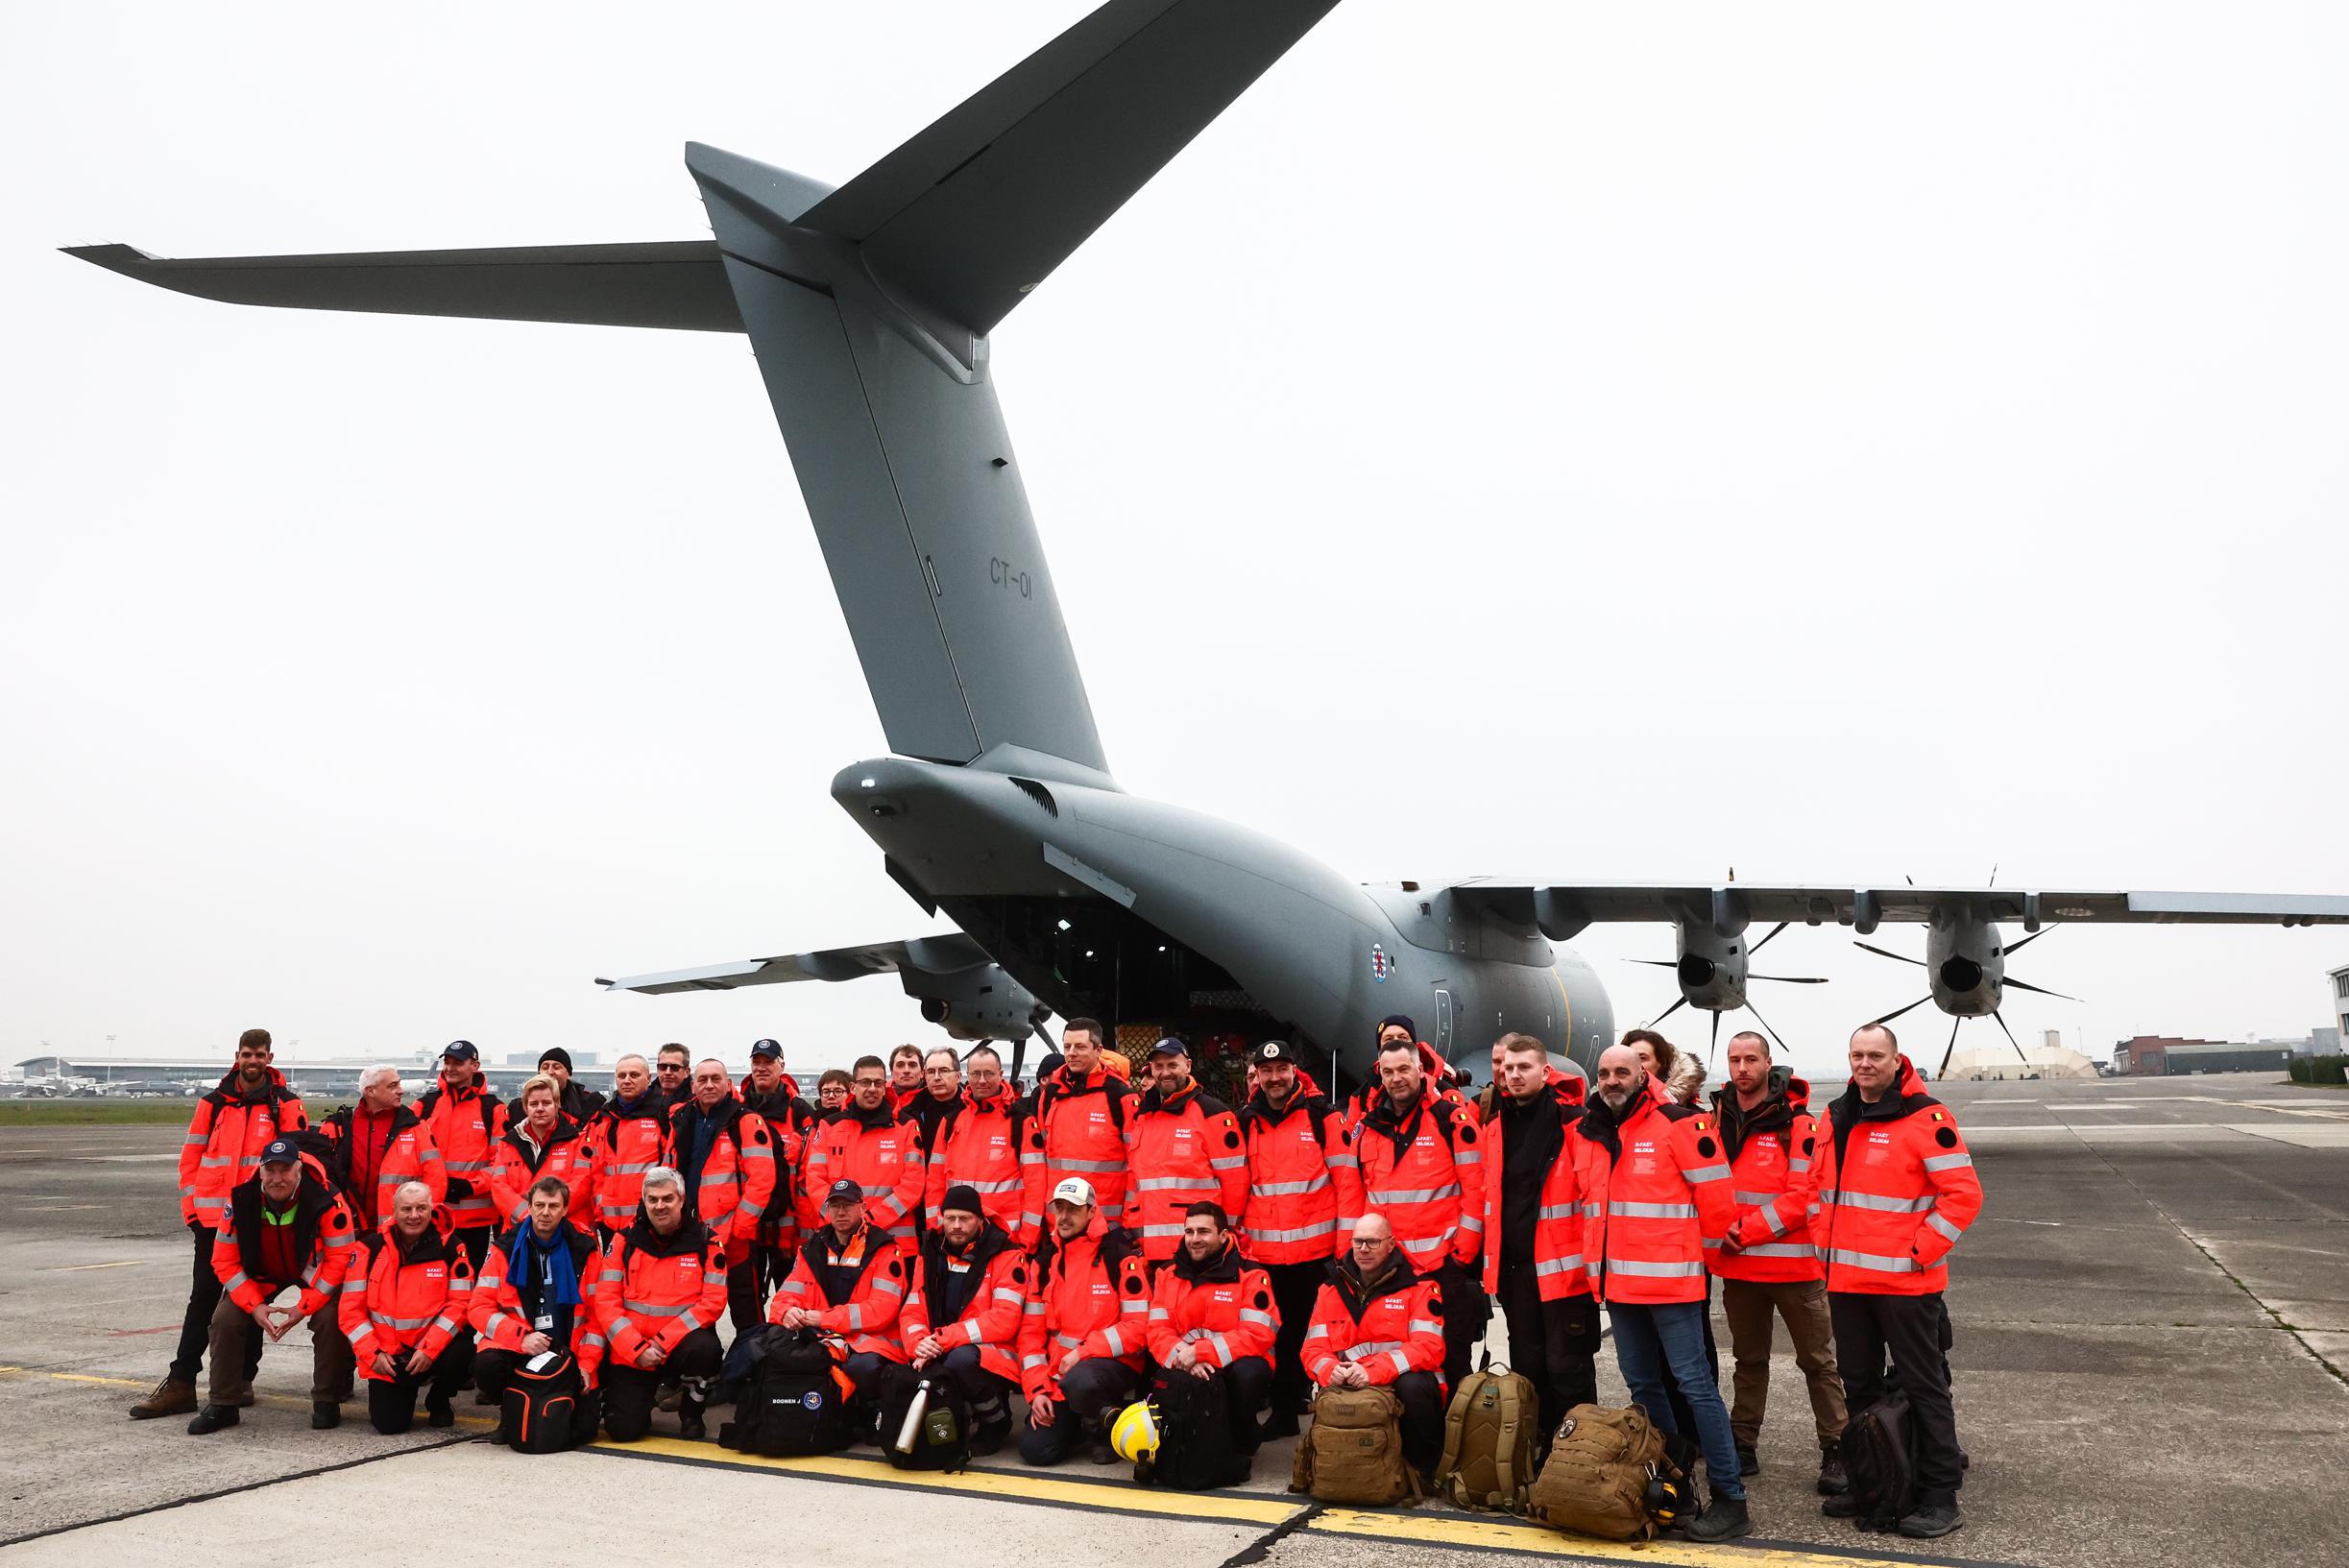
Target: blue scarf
[[559, 1281]]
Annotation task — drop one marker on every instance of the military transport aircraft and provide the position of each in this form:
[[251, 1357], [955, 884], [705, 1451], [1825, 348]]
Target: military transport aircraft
[[869, 306]]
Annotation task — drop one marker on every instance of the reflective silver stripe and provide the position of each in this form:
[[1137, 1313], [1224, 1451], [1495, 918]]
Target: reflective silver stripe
[[1885, 1205], [620, 1323], [238, 1281], [877, 1189], [402, 1324], [209, 1163], [754, 1210], [1425, 1325], [1559, 1265], [1004, 1293], [1948, 1230], [889, 1286], [1227, 1162], [1087, 1165], [1871, 1260], [1161, 1230], [1348, 1160], [1425, 1244], [1115, 1341], [1467, 1157], [1029, 1363], [1557, 1211], [1289, 1188], [1640, 1268], [1316, 1331], [1948, 1162], [1415, 1195], [1780, 1250], [595, 1339], [1369, 1348], [1401, 1363], [1769, 1213], [496, 1319], [1070, 1340], [1754, 1201], [197, 1138], [1800, 1167], [1111, 1212], [759, 1152], [1706, 1173], [1262, 1319], [354, 1287], [1035, 1308], [1302, 1233], [1652, 1211], [974, 1333], [624, 1168], [1158, 1314], [724, 1179], [856, 1315], [986, 1188], [1223, 1346], [655, 1309], [444, 1325], [463, 1166], [1169, 1184], [1473, 1225]]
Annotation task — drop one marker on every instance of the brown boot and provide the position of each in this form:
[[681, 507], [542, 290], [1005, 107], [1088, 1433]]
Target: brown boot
[[173, 1396]]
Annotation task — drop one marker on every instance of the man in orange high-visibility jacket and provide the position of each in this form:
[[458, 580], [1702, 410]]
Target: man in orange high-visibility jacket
[[1423, 1168], [1533, 1259], [1084, 1335], [657, 1303], [1304, 1193], [286, 1229], [727, 1156], [406, 1311], [1182, 1146], [1766, 1261], [1376, 1324], [466, 1120], [1212, 1316], [962, 1317], [869, 1144], [1655, 1188], [1895, 1189], [1079, 1127], [977, 1144], [531, 1296], [627, 1139], [850, 1279], [221, 1147]]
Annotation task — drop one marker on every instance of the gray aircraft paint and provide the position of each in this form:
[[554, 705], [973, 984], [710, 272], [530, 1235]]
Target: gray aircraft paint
[[869, 307]]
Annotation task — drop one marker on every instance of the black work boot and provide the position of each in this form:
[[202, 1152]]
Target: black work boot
[[1748, 1462], [1723, 1518], [1934, 1515], [1281, 1423], [689, 1418], [212, 1418], [1841, 1505], [437, 1413], [325, 1416], [1832, 1478]]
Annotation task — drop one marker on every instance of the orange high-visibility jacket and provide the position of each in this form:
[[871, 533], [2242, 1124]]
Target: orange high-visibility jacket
[[466, 1128], [1092, 1296], [1079, 1129], [1773, 1154], [856, 1289], [1389, 1325], [568, 1153], [1180, 1148], [500, 1321], [1558, 1269], [1221, 1308], [1655, 1198], [224, 1143], [623, 1145], [408, 1155], [973, 1297], [737, 1184], [977, 1144], [325, 1238], [404, 1294], [1895, 1189], [1304, 1181], [654, 1289], [1425, 1171], [881, 1153]]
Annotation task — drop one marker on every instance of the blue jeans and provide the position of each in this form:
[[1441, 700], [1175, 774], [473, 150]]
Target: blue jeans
[[1647, 1338]]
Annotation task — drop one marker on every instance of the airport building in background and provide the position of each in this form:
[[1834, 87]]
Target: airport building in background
[[2161, 1055], [2339, 980]]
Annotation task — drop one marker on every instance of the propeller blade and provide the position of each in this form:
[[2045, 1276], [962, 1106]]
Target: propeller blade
[[1659, 963], [2011, 1040], [1716, 1043], [2036, 989], [1766, 941], [1669, 1011], [1889, 1017], [1886, 953], [1765, 1023], [1952, 1050], [2018, 947], [1791, 979]]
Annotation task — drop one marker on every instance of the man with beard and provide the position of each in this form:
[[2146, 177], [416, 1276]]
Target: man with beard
[[1212, 1316], [771, 1090], [1655, 1189], [1376, 1324], [232, 1124], [962, 1317], [466, 1122], [1423, 1168], [1085, 1339], [977, 1144], [1304, 1191], [1532, 1258]]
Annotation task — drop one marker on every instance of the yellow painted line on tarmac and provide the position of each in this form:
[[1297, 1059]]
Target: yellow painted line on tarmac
[[1235, 1508], [1486, 1534]]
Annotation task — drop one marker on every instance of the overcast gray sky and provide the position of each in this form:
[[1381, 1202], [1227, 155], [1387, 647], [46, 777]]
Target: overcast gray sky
[[1561, 441]]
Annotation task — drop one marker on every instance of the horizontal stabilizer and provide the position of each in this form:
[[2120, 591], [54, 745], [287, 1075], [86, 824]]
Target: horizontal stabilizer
[[945, 954], [679, 284], [975, 211]]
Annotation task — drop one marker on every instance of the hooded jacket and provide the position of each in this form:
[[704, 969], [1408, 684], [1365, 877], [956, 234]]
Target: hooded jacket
[[503, 1306], [1772, 1152], [405, 1294], [466, 1126], [625, 1143], [1180, 1148], [857, 1290], [1655, 1195], [1079, 1129], [1424, 1170], [1092, 1296], [654, 1289], [514, 1165], [325, 1238], [977, 1144], [972, 1295], [1551, 1202], [735, 1187], [1304, 1180], [1221, 1308], [1895, 1189], [1388, 1324], [405, 1153], [883, 1154]]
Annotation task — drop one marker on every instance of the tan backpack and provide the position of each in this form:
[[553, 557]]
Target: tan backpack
[[1489, 1436], [1596, 1480], [1353, 1452]]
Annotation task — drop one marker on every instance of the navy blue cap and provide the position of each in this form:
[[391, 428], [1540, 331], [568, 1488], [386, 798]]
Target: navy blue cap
[[845, 1191], [1168, 1048], [282, 1151], [464, 1050], [765, 1048]]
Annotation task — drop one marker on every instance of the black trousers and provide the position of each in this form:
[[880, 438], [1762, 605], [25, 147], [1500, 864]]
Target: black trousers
[[1466, 1310], [989, 1394], [746, 1285], [629, 1392], [1091, 1391], [1554, 1344], [1295, 1286], [1909, 1328], [1422, 1419], [195, 1327], [391, 1402]]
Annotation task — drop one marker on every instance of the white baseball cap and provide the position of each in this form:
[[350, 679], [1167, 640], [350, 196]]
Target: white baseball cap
[[1074, 1190]]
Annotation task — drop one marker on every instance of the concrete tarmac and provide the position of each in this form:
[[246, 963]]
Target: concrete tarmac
[[2152, 1335]]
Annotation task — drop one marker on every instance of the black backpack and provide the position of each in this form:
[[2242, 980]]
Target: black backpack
[[1195, 1452], [547, 1410], [935, 1436], [792, 1402], [1880, 1454]]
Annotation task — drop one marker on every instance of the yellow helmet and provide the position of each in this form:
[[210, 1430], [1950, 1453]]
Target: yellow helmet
[[1134, 1434]]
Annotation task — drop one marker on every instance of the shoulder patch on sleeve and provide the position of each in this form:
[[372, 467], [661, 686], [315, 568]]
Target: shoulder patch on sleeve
[[758, 1136], [896, 1267], [335, 1219], [1019, 1273], [1808, 1144], [1947, 1138], [1702, 1123], [1231, 1138], [1705, 1145], [1435, 1302], [1263, 1300], [1467, 1130]]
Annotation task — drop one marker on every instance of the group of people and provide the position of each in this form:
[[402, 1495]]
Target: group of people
[[1052, 1253]]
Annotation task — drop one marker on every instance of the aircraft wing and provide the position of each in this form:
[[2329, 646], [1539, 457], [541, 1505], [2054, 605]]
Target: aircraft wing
[[922, 954], [679, 284], [1561, 909]]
